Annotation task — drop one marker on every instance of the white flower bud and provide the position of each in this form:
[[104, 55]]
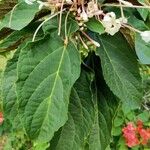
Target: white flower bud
[[96, 43], [79, 10], [69, 1], [84, 16], [145, 36]]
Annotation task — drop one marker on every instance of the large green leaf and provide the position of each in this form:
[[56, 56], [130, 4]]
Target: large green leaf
[[120, 69], [90, 118], [47, 71], [75, 133], [142, 49], [20, 16]]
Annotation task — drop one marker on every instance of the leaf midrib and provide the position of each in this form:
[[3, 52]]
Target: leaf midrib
[[54, 85], [38, 65]]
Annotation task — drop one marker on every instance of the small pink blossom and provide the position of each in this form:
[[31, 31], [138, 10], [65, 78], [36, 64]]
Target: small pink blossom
[[129, 133], [1, 118]]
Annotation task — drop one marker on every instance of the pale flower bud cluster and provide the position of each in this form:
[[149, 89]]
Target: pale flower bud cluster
[[83, 16], [90, 11], [86, 10]]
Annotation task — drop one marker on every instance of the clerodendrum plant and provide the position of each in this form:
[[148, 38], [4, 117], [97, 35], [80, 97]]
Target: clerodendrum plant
[[75, 63]]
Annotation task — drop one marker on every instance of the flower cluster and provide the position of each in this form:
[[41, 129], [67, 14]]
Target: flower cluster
[[84, 13], [1, 118], [135, 135], [111, 24], [84, 10], [129, 133]]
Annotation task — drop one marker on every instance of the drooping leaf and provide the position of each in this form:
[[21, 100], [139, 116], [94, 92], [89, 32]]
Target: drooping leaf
[[90, 118], [105, 109], [142, 49], [120, 69], [47, 70], [100, 135], [75, 133], [20, 16]]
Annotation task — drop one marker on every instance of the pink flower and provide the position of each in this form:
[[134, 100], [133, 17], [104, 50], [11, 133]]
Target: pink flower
[[129, 133], [1, 118], [144, 133], [136, 135], [145, 136]]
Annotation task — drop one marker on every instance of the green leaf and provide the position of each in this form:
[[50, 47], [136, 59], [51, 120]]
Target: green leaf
[[95, 26], [121, 144], [75, 132], [120, 69], [142, 49], [42, 146], [116, 131], [144, 116], [100, 136], [90, 118], [118, 121], [47, 71], [20, 16], [130, 115], [144, 13], [136, 23]]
